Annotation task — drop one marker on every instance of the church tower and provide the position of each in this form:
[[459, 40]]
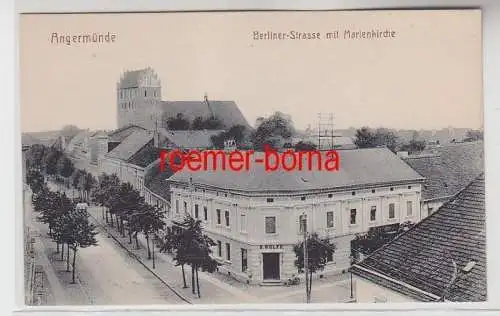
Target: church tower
[[138, 96]]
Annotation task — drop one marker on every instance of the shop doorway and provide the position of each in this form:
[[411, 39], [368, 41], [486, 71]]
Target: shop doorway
[[271, 263]]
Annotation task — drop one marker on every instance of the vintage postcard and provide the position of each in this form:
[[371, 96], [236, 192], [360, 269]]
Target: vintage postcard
[[253, 157]]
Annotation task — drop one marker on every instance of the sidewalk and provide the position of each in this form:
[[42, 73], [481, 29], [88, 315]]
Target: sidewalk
[[62, 291], [212, 291]]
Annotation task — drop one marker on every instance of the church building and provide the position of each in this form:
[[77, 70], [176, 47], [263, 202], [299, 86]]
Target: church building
[[139, 102]]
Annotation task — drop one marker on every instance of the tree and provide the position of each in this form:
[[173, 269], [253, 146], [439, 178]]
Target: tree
[[152, 222], [88, 183], [196, 249], [414, 146], [473, 135], [35, 157], [123, 202], [368, 138], [318, 251], [272, 130], [51, 160], [83, 234], [212, 123], [198, 123], [178, 122], [304, 146], [75, 180], [65, 167], [35, 180], [376, 237], [236, 133]]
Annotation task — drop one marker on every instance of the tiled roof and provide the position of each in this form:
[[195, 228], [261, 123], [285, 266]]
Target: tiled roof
[[120, 134], [226, 111], [423, 256], [156, 180], [358, 168], [145, 156], [449, 169], [131, 145], [191, 138]]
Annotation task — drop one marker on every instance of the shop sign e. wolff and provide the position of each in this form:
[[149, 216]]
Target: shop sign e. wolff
[[271, 246]]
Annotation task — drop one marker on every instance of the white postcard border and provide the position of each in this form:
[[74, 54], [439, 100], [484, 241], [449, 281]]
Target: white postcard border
[[12, 196]]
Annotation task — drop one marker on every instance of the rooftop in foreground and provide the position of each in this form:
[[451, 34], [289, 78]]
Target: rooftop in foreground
[[419, 263]]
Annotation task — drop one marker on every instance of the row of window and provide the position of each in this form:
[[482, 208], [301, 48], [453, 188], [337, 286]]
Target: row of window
[[270, 221], [133, 93], [244, 255]]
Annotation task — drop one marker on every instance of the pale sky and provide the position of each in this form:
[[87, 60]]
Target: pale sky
[[429, 76]]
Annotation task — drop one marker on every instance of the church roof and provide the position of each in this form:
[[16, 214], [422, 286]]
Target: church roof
[[359, 168], [419, 263], [226, 111]]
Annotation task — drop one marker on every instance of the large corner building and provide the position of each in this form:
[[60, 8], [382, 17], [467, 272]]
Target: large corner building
[[253, 216]]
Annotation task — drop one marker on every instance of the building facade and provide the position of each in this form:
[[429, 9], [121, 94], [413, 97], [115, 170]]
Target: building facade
[[256, 229], [256, 234]]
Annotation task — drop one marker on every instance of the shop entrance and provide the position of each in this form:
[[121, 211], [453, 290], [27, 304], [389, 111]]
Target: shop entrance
[[271, 263]]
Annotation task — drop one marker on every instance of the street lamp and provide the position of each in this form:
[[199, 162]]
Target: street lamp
[[154, 244], [306, 259], [352, 261]]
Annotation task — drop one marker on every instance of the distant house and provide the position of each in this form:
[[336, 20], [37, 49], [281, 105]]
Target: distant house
[[191, 139], [441, 258], [447, 169], [78, 146], [118, 160]]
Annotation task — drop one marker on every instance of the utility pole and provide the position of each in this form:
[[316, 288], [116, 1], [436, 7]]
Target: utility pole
[[306, 258], [154, 244]]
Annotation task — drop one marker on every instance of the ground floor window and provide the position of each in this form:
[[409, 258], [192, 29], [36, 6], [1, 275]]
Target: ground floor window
[[244, 260], [228, 252]]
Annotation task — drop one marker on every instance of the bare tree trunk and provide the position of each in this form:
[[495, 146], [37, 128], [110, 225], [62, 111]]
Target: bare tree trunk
[[193, 288], [136, 241], [198, 283], [129, 236], [122, 227], [107, 221], [102, 210], [183, 276], [74, 264], [57, 249], [67, 258], [147, 243], [62, 251], [310, 283]]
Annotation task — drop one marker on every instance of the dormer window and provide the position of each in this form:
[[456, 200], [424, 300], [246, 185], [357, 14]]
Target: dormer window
[[270, 200], [353, 193], [302, 198]]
